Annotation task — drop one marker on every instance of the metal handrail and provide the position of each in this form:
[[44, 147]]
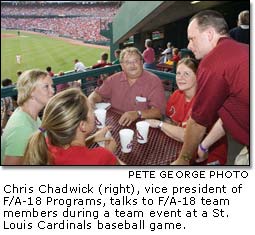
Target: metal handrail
[[74, 76]]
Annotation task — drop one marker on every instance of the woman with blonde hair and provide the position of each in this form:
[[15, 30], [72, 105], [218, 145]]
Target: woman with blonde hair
[[34, 90], [61, 139]]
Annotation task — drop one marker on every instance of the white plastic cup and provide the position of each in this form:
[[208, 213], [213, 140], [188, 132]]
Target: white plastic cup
[[126, 139], [142, 131], [100, 116]]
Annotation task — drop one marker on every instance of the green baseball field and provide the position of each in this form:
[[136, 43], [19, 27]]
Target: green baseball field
[[39, 51]]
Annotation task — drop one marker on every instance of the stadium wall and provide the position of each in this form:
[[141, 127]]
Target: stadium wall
[[130, 14]]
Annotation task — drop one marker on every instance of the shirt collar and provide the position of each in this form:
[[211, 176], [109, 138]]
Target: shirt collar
[[222, 39], [123, 77], [244, 26]]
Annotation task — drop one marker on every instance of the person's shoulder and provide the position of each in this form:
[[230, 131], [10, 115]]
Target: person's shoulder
[[115, 77], [97, 65], [229, 47], [17, 115], [166, 51], [233, 29], [150, 76], [23, 120], [176, 95]]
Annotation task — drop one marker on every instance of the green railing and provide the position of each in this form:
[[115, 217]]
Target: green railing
[[85, 82]]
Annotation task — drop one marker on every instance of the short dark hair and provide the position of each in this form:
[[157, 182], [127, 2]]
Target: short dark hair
[[19, 73], [118, 51], [104, 56], [212, 18], [6, 82], [48, 68]]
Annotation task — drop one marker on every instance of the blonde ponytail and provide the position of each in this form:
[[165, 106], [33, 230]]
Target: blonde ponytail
[[36, 152]]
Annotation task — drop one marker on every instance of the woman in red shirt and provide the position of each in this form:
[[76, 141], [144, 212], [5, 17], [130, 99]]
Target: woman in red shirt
[[179, 108], [68, 120]]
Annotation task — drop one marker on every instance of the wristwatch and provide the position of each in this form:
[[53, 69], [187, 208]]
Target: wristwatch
[[139, 114], [186, 157]]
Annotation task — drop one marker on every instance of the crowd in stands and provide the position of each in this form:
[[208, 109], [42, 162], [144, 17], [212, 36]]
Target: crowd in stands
[[67, 10], [85, 21], [8, 104], [85, 28]]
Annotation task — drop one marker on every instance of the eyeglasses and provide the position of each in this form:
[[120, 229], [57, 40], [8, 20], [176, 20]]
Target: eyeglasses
[[127, 62]]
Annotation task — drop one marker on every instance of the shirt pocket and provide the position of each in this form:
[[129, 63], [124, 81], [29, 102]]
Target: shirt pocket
[[141, 103]]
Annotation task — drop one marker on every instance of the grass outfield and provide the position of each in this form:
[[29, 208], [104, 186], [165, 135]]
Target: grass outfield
[[40, 51]]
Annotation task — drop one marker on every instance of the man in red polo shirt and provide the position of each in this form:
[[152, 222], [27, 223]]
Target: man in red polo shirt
[[134, 91], [223, 83]]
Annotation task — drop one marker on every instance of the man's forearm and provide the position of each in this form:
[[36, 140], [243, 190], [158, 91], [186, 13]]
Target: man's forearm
[[151, 113], [193, 135], [214, 135]]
